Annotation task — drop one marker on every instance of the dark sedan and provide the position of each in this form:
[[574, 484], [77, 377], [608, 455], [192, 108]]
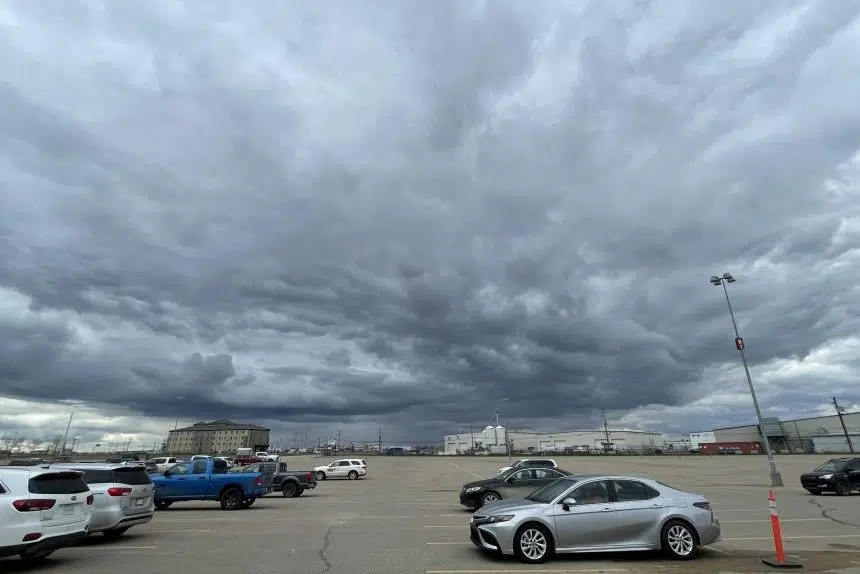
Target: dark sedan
[[511, 484], [840, 475]]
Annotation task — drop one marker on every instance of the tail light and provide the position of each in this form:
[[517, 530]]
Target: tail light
[[259, 481], [309, 477], [33, 504], [703, 505], [90, 500], [118, 491]]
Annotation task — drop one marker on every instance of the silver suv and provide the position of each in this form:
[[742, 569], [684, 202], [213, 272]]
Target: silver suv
[[123, 495]]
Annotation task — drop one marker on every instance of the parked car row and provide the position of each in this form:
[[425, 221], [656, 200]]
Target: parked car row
[[48, 506], [534, 509]]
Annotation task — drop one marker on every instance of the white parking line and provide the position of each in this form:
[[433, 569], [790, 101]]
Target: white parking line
[[183, 530], [448, 543], [455, 465], [768, 520], [466, 525], [762, 510], [100, 548], [565, 571], [810, 537]]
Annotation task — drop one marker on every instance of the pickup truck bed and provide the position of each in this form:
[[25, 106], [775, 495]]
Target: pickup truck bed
[[290, 483]]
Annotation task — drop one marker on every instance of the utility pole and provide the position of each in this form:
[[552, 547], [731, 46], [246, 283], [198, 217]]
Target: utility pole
[[306, 440], [379, 442], [338, 439], [608, 442], [841, 411]]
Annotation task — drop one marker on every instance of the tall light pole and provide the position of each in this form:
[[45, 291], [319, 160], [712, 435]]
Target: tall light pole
[[722, 280]]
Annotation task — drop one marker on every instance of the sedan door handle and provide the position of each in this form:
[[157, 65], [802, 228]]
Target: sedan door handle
[[606, 510], [201, 478], [656, 506]]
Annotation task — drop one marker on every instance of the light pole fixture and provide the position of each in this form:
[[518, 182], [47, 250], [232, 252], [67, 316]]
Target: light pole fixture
[[722, 280]]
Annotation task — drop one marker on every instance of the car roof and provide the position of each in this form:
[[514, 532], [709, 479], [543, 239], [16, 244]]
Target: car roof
[[31, 470], [99, 465]]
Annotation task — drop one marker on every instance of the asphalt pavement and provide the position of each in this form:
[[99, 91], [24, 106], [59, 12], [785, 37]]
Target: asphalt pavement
[[405, 518]]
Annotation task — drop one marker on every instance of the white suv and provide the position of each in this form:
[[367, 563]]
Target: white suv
[[124, 495], [351, 468], [42, 509], [162, 463]]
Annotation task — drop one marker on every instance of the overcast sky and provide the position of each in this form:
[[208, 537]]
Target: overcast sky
[[352, 215]]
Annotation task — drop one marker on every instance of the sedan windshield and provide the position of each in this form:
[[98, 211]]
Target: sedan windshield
[[832, 466], [551, 491]]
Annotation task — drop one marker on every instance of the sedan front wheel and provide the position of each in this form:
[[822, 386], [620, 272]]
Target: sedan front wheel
[[532, 544]]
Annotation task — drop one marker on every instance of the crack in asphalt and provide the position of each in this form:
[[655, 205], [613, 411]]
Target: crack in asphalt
[[824, 514], [322, 551]]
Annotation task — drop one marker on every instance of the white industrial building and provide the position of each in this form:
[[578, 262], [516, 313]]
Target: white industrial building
[[816, 434], [494, 439], [677, 442]]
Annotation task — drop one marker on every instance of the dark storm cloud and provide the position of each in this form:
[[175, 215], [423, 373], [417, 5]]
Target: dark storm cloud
[[390, 214]]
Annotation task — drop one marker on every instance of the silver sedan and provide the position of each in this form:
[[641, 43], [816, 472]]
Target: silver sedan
[[596, 513]]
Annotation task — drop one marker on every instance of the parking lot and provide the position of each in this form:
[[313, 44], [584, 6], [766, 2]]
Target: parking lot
[[406, 518]]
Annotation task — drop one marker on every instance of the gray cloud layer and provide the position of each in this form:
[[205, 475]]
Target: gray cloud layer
[[384, 213]]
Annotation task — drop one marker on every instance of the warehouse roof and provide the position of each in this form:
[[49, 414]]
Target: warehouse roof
[[221, 424]]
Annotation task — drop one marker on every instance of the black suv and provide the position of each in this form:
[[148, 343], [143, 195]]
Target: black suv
[[839, 475]]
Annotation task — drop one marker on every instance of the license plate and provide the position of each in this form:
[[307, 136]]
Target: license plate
[[69, 509], [139, 501]]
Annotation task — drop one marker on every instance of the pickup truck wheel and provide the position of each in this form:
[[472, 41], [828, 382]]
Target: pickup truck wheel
[[353, 475], [231, 499], [320, 475], [247, 503], [162, 504], [289, 489], [298, 493]]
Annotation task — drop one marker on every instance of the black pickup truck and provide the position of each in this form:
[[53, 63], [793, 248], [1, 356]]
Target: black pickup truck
[[290, 483]]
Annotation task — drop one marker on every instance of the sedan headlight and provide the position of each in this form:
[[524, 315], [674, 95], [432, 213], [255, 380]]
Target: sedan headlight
[[499, 518], [473, 489], [826, 476]]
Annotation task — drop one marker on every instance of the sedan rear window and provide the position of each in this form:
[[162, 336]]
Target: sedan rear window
[[131, 476], [58, 483]]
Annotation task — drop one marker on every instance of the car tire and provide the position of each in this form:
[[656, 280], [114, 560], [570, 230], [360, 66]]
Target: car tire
[[231, 499], [813, 491], [248, 502], [320, 475], [298, 493], [532, 544], [162, 504], [678, 540], [115, 533], [843, 488], [289, 489], [489, 497], [353, 475]]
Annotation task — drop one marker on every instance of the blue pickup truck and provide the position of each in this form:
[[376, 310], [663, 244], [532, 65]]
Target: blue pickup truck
[[208, 479]]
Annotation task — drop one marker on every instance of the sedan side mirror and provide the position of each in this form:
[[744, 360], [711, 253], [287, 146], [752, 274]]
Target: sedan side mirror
[[166, 473], [567, 503]]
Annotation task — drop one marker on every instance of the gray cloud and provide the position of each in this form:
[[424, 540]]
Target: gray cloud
[[391, 216]]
